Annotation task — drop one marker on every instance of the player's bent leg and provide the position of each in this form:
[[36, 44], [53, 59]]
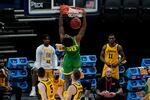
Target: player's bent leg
[[17, 91], [76, 65], [34, 80], [87, 86], [67, 71], [67, 82]]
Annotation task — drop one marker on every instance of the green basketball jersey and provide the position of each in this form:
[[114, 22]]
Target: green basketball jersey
[[72, 50], [71, 58]]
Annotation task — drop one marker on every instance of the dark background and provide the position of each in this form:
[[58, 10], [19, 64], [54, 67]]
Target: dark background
[[134, 39], [132, 34]]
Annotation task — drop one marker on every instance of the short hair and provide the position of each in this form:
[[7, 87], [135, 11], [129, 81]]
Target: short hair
[[41, 72], [67, 41], [54, 70], [77, 74], [112, 34], [45, 35]]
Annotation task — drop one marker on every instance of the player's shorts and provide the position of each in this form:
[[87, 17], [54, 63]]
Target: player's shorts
[[70, 64]]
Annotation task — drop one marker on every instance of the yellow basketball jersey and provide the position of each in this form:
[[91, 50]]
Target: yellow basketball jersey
[[2, 81], [49, 88], [3, 77], [60, 83], [79, 91], [111, 57], [111, 54]]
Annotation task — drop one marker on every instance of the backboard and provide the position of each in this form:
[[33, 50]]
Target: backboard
[[51, 7]]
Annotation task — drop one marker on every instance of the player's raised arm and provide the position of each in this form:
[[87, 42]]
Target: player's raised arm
[[61, 28], [82, 29]]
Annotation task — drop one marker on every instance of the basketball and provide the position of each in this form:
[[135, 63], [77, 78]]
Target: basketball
[[75, 23]]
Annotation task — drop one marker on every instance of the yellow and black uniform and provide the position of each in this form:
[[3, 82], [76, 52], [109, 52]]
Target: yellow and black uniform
[[111, 57], [48, 73], [3, 78], [2, 81], [49, 89], [78, 94], [60, 83]]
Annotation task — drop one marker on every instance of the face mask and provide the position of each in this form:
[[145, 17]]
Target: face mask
[[56, 77]]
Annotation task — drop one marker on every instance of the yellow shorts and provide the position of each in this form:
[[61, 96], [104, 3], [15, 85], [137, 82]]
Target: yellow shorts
[[115, 73]]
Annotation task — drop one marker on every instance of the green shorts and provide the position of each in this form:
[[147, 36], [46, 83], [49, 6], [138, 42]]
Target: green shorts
[[71, 63]]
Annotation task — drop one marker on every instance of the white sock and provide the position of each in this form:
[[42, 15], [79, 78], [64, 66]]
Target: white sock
[[33, 88], [86, 98]]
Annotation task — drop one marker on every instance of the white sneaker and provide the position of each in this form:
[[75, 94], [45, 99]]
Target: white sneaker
[[32, 93]]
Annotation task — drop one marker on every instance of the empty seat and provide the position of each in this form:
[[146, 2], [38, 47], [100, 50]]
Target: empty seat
[[131, 10], [146, 4], [145, 12], [7, 96], [7, 15], [112, 10]]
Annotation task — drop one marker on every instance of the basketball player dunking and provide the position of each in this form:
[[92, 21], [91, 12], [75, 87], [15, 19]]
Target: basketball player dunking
[[71, 47]]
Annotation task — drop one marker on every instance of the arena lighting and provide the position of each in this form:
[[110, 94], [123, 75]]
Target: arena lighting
[[7, 47], [17, 35], [18, 11], [8, 51], [36, 19], [19, 15], [2, 25]]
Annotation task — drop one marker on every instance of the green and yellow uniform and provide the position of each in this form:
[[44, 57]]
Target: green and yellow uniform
[[71, 58]]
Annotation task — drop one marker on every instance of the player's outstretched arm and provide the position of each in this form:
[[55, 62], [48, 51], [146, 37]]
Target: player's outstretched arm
[[61, 28], [82, 29]]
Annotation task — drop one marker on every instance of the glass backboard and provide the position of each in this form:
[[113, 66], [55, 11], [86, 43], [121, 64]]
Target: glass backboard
[[48, 7]]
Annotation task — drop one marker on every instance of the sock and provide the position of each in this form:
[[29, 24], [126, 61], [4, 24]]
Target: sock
[[33, 88], [86, 98]]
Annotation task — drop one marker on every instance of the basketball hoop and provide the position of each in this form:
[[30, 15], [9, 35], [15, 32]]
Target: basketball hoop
[[71, 11]]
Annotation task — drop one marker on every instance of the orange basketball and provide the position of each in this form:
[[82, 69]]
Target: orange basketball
[[75, 23]]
